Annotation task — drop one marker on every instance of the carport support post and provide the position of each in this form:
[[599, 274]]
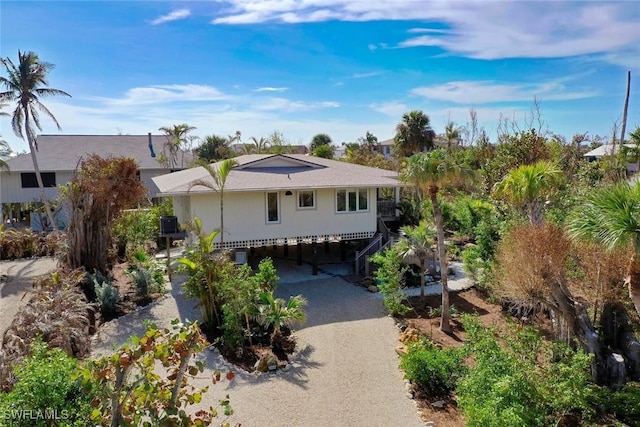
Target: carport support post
[[286, 248], [326, 246], [343, 251], [169, 258], [314, 258], [299, 254]]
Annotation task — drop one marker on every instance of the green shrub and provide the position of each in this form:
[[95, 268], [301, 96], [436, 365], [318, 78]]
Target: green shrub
[[433, 369], [45, 387], [107, 296], [624, 404], [390, 278], [518, 380]]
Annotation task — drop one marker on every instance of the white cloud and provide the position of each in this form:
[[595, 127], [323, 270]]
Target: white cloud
[[172, 16], [167, 93], [488, 92], [481, 30], [392, 108], [365, 75], [271, 89], [287, 105]]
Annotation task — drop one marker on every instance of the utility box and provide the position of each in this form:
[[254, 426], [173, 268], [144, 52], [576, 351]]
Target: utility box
[[168, 225]]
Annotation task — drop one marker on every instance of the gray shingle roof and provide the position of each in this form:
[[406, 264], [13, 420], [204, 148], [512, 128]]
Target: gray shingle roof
[[62, 152], [262, 172]]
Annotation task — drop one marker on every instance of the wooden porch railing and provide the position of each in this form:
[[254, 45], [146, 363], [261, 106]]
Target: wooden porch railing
[[387, 208], [362, 257]]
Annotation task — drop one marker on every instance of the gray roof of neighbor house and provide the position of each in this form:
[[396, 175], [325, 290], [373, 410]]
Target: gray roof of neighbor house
[[263, 172], [63, 152]]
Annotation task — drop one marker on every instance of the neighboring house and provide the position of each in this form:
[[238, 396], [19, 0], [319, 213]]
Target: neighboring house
[[240, 149], [284, 199], [60, 155], [608, 150]]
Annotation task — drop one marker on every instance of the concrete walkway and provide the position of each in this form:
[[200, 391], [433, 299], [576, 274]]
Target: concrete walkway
[[15, 284]]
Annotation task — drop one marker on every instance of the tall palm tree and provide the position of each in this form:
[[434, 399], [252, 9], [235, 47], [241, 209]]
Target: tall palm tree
[[25, 84], [219, 172], [430, 172], [610, 216], [528, 186], [416, 242], [257, 146], [413, 134], [177, 136]]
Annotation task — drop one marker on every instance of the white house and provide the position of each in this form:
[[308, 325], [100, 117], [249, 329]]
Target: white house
[[60, 155], [608, 150], [283, 200]]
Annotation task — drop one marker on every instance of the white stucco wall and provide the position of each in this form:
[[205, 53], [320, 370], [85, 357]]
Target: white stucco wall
[[245, 215]]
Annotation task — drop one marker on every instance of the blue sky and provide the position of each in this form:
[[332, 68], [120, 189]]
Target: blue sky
[[341, 67]]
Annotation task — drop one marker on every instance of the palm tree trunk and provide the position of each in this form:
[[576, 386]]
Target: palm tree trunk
[[442, 254], [221, 217], [625, 110], [36, 169], [423, 272]]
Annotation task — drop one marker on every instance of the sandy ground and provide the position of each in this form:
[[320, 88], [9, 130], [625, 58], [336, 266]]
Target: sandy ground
[[15, 283], [345, 373]]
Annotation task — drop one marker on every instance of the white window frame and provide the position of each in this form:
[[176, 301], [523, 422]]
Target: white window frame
[[313, 195], [356, 192], [266, 204]]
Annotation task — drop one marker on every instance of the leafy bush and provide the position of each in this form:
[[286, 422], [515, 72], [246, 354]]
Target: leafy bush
[[139, 228], [517, 380], [147, 274], [624, 404], [433, 369], [45, 386], [390, 278], [130, 391]]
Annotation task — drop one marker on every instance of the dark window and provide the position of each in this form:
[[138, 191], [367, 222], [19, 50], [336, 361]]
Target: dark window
[[29, 179]]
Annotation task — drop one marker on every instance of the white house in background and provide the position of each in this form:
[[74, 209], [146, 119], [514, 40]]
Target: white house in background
[[284, 200], [607, 150], [60, 155]]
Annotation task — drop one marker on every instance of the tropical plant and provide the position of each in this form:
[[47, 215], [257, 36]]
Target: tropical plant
[[257, 146], [130, 391], [277, 313], [452, 134], [177, 136], [610, 217], [416, 243], [204, 271], [413, 134], [528, 187], [96, 195], [107, 297], [45, 386], [25, 84], [429, 173], [214, 148], [390, 279], [219, 172]]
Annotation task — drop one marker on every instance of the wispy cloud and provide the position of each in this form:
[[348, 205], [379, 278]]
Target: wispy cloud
[[488, 92], [391, 108], [481, 30], [271, 89], [365, 75], [291, 106], [172, 16], [167, 93]]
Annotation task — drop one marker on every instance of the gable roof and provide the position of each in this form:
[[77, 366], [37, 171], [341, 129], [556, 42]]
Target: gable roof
[[63, 152], [264, 172]]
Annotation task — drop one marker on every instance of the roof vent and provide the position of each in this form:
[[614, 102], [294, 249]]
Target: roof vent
[[153, 154]]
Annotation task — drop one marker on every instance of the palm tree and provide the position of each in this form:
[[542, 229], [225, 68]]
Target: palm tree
[[416, 242], [214, 148], [177, 135], [528, 187], [611, 217], [258, 146], [452, 133], [219, 172], [318, 140], [413, 134], [25, 84], [429, 172], [275, 312]]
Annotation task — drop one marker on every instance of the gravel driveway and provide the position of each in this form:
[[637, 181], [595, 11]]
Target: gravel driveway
[[346, 373]]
